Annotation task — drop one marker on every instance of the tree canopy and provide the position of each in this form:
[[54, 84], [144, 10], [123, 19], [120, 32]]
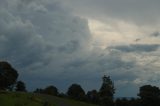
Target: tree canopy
[[51, 90], [20, 86], [8, 75], [75, 91], [93, 96], [107, 91], [150, 95]]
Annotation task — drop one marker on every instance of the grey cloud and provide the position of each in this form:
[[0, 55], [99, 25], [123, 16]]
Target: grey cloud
[[77, 63], [117, 67], [38, 40], [137, 48], [48, 44], [141, 12], [37, 33], [69, 47], [115, 63], [155, 34]]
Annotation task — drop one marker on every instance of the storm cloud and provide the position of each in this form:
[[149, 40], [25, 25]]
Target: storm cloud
[[52, 42], [137, 48], [39, 37]]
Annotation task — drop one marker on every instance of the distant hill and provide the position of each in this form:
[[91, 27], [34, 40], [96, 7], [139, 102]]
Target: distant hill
[[31, 99]]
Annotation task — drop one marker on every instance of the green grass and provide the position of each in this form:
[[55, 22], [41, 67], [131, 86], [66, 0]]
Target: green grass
[[30, 99], [20, 99]]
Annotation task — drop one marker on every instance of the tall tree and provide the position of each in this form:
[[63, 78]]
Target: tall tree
[[8, 75], [75, 91], [150, 95], [106, 92], [21, 86]]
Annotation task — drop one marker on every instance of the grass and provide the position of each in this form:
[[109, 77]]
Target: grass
[[30, 99], [20, 99]]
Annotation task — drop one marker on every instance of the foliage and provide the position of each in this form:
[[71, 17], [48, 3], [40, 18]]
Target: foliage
[[106, 92], [127, 102], [51, 90], [75, 91], [93, 96], [150, 95], [21, 86], [8, 75], [38, 90]]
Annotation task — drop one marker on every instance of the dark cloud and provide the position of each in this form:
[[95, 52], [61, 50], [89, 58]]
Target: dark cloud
[[37, 36], [137, 47], [77, 63], [69, 47], [113, 63], [48, 44], [155, 34]]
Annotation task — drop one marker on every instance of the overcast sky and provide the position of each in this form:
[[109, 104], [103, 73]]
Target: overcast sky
[[60, 42]]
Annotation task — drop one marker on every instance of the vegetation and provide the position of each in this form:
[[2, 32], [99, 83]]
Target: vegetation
[[51, 90], [127, 102], [93, 96], [8, 76], [32, 99], [20, 86], [106, 92], [19, 99], [148, 95], [75, 91]]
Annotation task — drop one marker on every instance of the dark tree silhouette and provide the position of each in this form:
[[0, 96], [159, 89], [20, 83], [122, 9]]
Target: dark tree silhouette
[[150, 95], [51, 90], [122, 102], [38, 90], [106, 92], [119, 102], [21, 86], [75, 91], [93, 96], [8, 75]]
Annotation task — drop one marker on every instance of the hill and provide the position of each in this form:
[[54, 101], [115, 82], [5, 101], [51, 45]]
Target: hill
[[31, 99]]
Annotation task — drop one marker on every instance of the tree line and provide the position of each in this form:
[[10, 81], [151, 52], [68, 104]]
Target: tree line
[[148, 95]]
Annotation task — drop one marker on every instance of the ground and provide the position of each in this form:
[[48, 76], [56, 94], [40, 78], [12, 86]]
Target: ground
[[31, 99]]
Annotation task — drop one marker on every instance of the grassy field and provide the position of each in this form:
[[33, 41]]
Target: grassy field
[[30, 99]]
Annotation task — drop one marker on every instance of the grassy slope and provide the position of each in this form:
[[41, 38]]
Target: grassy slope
[[29, 99]]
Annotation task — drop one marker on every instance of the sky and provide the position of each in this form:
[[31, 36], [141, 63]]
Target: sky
[[61, 42]]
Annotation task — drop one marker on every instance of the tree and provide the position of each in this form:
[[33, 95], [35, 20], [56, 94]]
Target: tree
[[51, 90], [119, 102], [75, 91], [93, 96], [38, 90], [127, 102], [8, 75], [150, 95], [21, 86], [106, 92], [122, 102]]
